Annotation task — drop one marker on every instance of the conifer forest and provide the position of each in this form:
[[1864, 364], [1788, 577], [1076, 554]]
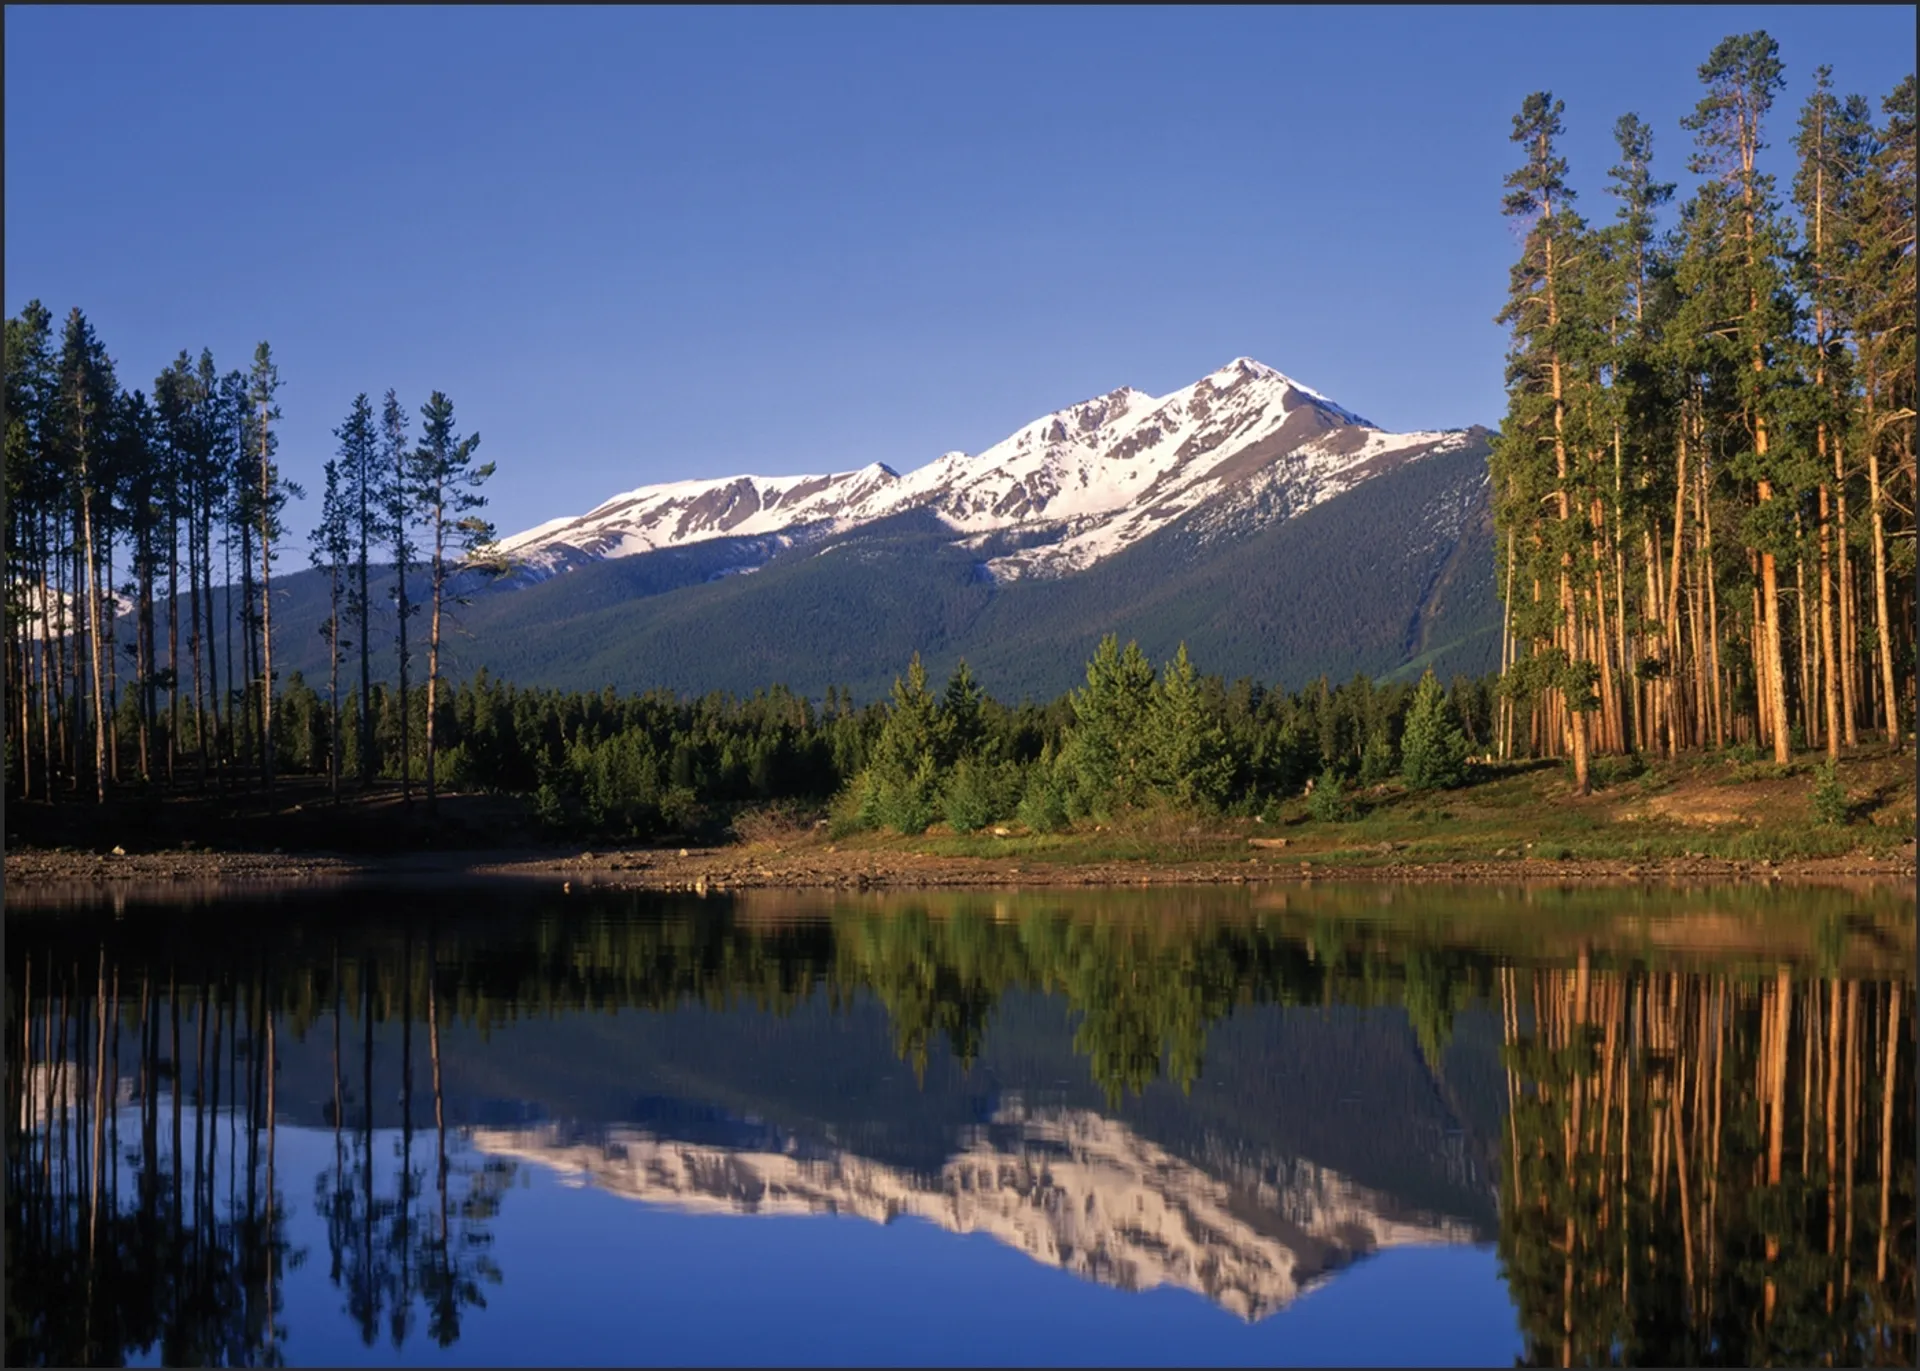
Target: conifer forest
[[1704, 483]]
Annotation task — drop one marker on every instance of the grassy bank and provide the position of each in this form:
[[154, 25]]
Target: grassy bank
[[1721, 808], [1724, 808]]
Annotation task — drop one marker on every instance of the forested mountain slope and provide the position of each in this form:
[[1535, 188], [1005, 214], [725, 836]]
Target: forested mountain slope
[[1396, 572]]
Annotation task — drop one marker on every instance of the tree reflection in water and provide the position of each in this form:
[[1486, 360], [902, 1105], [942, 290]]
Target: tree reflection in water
[[1707, 1158], [1709, 1168]]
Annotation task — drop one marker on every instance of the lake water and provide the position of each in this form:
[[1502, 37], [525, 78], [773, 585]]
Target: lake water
[[510, 1124]]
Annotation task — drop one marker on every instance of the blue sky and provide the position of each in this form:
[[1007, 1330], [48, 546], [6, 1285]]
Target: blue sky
[[638, 244]]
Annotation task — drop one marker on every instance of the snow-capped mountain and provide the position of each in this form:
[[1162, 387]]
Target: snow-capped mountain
[[1077, 485], [1276, 533]]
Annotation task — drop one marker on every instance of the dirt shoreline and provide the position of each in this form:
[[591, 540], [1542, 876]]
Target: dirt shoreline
[[64, 873]]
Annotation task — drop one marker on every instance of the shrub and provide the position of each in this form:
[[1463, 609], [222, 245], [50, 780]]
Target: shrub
[[454, 769], [908, 806], [1328, 802], [974, 795], [855, 809], [680, 808], [774, 823], [1376, 763], [1044, 806], [1829, 796], [1606, 771]]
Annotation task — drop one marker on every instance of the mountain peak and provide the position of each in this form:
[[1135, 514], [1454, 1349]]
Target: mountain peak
[[1087, 480], [1249, 369]]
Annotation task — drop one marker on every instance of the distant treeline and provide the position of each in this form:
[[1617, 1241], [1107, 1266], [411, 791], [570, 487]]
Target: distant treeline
[[1704, 487], [1131, 739]]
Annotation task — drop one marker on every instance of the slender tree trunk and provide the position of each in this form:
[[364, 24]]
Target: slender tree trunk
[[145, 648], [93, 641], [1507, 655], [362, 480], [1830, 672], [226, 610], [433, 642], [266, 609], [1570, 628], [248, 706], [23, 697], [1772, 664], [173, 620], [1880, 616], [1808, 722], [48, 685], [333, 689], [1671, 624], [111, 611], [193, 648], [215, 729]]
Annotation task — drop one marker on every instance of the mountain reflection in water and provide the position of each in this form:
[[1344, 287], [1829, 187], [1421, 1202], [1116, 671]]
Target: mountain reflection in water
[[1067, 1187], [1686, 1118]]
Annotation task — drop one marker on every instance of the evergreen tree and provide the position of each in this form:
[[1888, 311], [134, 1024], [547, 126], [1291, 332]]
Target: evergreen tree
[[1534, 457], [332, 554], [446, 493], [1878, 301], [1190, 760], [1830, 140], [84, 402], [1433, 750], [173, 403], [904, 770], [1742, 76], [399, 514], [1376, 762], [273, 493], [960, 728], [1639, 303], [217, 396], [32, 490], [1107, 755], [140, 458], [362, 495]]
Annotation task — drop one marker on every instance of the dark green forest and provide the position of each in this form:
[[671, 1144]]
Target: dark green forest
[[1132, 738]]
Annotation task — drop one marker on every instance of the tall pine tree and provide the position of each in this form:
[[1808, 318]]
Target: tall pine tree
[[446, 492], [361, 480], [1534, 457], [396, 460]]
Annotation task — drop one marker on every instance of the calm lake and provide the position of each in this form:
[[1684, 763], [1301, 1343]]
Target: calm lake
[[508, 1124]]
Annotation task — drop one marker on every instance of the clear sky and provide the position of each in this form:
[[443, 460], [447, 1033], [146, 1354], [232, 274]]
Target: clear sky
[[637, 245]]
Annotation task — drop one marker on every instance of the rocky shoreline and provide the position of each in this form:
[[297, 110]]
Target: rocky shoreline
[[39, 876]]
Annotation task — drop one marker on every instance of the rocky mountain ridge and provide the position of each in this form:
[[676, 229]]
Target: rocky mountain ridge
[[1058, 495]]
